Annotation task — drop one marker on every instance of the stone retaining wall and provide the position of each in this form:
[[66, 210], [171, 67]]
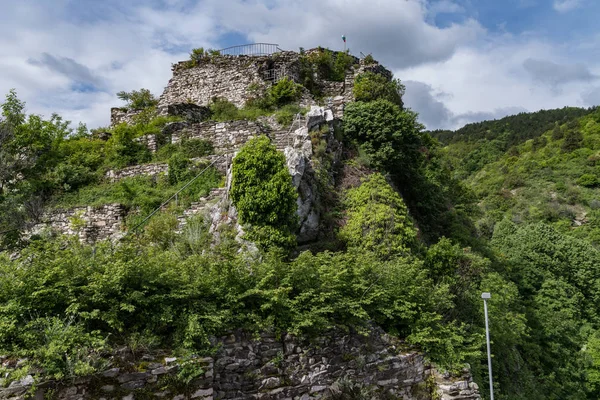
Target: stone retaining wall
[[267, 367], [224, 136], [89, 223], [137, 170]]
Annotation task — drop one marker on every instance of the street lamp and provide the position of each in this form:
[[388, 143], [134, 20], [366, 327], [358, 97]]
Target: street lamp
[[485, 297]]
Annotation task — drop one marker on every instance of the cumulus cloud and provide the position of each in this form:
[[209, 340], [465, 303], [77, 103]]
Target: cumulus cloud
[[53, 50], [592, 96], [420, 97], [69, 68], [434, 114], [395, 31], [556, 74], [489, 84], [445, 7], [566, 5], [55, 53]]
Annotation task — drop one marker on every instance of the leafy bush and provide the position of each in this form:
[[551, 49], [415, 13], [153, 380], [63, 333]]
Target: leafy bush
[[198, 54], [263, 194], [588, 180], [369, 60], [223, 110], [328, 65], [122, 150], [370, 86], [377, 219], [284, 92], [285, 116]]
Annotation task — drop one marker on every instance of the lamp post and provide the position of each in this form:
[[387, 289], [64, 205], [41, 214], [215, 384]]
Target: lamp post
[[486, 296]]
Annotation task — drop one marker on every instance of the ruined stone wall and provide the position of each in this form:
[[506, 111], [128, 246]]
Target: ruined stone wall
[[269, 367], [224, 136], [220, 163], [229, 77], [119, 115], [137, 170], [89, 223]]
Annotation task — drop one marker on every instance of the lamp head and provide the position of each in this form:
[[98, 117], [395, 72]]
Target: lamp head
[[486, 295]]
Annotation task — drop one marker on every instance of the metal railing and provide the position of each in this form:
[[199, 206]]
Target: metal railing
[[253, 49]]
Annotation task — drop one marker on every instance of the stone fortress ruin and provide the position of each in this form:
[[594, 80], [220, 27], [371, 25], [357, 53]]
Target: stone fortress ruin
[[237, 76], [245, 366]]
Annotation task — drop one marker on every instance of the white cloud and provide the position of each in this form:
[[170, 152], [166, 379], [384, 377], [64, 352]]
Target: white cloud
[[566, 5], [490, 82], [445, 7], [458, 73]]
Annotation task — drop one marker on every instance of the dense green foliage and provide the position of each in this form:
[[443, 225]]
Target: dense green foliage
[[47, 164], [510, 206], [377, 219], [515, 128], [263, 194], [535, 178], [370, 86], [393, 141]]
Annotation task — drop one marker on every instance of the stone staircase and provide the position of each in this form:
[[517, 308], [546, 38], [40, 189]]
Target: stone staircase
[[281, 139], [203, 204]]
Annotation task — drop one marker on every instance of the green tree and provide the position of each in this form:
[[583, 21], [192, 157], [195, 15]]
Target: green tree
[[263, 194], [573, 140], [370, 86], [389, 135], [138, 99], [377, 219]]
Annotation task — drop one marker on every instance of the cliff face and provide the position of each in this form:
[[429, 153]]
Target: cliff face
[[335, 366]]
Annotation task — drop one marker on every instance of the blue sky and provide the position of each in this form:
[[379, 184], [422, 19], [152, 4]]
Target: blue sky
[[461, 60]]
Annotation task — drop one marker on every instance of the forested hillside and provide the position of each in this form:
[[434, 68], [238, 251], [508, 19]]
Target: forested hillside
[[413, 231]]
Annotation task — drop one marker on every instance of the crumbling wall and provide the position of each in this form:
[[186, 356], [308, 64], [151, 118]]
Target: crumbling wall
[[224, 136], [137, 170], [229, 77], [90, 224], [119, 115], [269, 367]]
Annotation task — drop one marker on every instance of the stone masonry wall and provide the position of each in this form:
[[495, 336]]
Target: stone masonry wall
[[232, 77], [137, 170], [89, 223], [229, 77], [162, 168], [266, 367], [119, 115], [224, 136]]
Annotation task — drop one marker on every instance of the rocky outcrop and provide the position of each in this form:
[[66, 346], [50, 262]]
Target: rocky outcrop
[[268, 367]]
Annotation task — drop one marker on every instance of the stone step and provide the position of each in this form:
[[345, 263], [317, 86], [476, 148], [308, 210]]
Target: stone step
[[198, 206]]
